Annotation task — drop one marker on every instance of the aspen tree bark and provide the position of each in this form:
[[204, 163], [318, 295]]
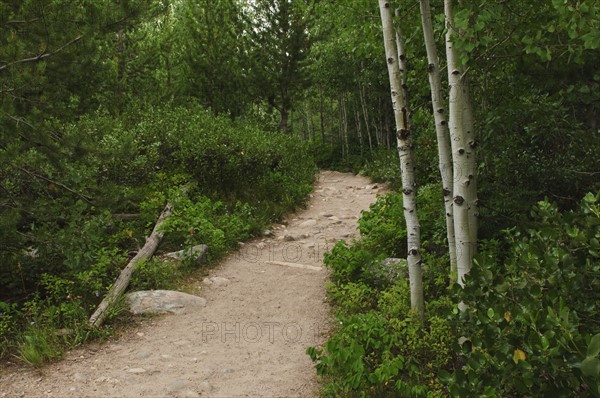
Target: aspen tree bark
[[441, 128], [471, 138], [462, 153], [407, 168], [469, 127], [403, 65]]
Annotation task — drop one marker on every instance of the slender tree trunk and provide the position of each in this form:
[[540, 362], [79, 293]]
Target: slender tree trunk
[[346, 142], [365, 115], [471, 138], [305, 126], [120, 65], [469, 127], [403, 65], [358, 129], [441, 128], [407, 167], [331, 127], [341, 125], [377, 123], [462, 153], [321, 115], [311, 124]]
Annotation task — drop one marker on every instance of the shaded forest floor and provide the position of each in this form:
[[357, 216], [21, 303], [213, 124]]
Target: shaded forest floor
[[265, 305]]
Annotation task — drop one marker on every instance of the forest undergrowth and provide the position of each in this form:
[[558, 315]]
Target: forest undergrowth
[[88, 202]]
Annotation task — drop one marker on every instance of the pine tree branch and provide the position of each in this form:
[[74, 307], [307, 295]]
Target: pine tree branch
[[41, 56], [63, 186]]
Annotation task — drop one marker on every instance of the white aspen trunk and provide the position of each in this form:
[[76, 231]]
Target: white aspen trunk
[[461, 152], [407, 168], [469, 127], [403, 65], [471, 138], [441, 128]]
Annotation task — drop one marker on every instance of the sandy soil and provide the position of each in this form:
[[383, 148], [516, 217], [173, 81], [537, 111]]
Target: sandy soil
[[267, 305]]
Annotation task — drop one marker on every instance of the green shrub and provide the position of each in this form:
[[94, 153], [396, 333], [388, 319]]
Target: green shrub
[[347, 263], [377, 354], [383, 228], [351, 297], [8, 325], [380, 348], [530, 319], [155, 274], [383, 165], [207, 222]]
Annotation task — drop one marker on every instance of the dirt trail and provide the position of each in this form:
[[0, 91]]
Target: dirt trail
[[266, 306]]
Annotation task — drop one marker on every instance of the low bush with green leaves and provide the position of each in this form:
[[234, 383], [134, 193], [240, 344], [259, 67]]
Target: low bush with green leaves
[[379, 347], [531, 322]]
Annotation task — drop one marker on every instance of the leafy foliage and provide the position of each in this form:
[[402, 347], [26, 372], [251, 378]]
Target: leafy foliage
[[379, 347], [531, 316]]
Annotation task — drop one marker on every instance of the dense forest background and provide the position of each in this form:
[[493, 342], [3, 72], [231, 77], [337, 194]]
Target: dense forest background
[[225, 108]]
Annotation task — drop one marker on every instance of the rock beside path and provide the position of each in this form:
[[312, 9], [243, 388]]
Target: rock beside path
[[162, 302], [196, 253], [216, 281]]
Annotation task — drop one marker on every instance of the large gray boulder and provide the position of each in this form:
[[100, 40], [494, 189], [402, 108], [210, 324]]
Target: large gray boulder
[[162, 302]]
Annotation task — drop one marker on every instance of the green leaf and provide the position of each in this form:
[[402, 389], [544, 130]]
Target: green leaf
[[594, 347], [490, 313], [545, 342], [591, 367]]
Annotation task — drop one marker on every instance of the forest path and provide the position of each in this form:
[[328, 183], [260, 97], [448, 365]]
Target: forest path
[[266, 306]]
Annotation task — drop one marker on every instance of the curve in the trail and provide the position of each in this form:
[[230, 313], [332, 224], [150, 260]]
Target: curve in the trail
[[266, 304]]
